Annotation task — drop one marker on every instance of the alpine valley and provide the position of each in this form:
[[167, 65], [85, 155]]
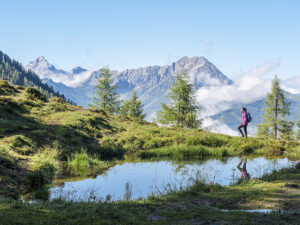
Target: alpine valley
[[151, 84]]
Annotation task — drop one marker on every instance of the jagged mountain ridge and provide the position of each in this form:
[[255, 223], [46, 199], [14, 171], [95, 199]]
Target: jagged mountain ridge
[[151, 83]]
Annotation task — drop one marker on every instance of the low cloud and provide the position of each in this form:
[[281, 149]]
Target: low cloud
[[217, 126], [292, 85], [247, 87]]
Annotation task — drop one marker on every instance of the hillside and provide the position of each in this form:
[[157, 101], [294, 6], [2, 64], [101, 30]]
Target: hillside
[[41, 138], [15, 73]]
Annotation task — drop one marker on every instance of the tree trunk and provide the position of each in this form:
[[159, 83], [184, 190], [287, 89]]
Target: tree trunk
[[276, 115]]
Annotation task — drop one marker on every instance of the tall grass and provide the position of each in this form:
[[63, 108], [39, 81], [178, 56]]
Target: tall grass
[[82, 163], [46, 162], [185, 151]]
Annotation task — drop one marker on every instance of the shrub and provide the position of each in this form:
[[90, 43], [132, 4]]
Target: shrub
[[36, 180], [58, 104], [42, 193], [225, 153], [246, 148], [33, 93]]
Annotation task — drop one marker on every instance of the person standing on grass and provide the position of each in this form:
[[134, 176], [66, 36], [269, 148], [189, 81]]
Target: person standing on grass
[[244, 123]]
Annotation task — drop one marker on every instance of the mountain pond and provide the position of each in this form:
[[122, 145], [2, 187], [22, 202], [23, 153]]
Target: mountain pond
[[136, 180]]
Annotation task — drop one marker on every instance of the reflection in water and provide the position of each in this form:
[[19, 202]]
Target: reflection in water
[[141, 179], [243, 170]]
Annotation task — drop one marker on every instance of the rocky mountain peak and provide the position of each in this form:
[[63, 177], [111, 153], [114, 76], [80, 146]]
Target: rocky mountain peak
[[39, 62], [41, 59], [194, 60], [78, 70]]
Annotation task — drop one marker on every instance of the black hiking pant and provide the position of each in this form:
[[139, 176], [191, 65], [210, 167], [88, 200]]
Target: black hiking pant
[[245, 130]]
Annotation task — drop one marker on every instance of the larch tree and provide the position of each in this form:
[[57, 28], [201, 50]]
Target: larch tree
[[106, 98], [133, 107], [182, 110], [276, 109]]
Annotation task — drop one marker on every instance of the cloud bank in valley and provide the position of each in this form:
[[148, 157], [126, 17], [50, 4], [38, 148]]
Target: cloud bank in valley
[[246, 88]]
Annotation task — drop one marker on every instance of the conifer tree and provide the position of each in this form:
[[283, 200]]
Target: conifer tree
[[124, 108], [107, 98], [133, 107], [276, 109], [286, 129], [182, 110]]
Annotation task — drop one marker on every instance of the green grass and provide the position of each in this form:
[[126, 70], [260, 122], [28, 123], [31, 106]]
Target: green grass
[[46, 136], [199, 204], [82, 164]]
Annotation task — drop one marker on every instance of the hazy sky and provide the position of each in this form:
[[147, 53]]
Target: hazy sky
[[234, 35]]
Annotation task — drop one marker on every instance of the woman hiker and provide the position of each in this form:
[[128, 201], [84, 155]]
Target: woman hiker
[[244, 123]]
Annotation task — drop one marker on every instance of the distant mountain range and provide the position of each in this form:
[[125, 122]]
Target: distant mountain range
[[151, 84]]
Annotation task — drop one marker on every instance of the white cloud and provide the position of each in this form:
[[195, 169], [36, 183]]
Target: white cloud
[[218, 127], [292, 85], [247, 87]]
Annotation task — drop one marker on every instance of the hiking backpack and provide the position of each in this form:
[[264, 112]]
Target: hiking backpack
[[249, 117]]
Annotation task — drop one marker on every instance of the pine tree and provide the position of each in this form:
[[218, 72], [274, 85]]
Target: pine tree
[[133, 107], [124, 108], [276, 108], [286, 129], [107, 98], [182, 109]]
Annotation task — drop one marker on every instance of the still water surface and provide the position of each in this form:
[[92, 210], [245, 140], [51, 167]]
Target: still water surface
[[141, 179]]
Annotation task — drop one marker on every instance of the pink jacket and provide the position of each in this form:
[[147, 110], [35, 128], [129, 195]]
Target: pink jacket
[[244, 118]]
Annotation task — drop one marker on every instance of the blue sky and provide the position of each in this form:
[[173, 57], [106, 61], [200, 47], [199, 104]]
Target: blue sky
[[234, 35]]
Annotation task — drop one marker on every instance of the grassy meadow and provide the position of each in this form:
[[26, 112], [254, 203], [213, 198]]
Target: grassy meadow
[[42, 139]]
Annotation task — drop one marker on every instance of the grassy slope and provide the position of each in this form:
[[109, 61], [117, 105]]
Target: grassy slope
[[200, 204], [37, 133], [32, 129]]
